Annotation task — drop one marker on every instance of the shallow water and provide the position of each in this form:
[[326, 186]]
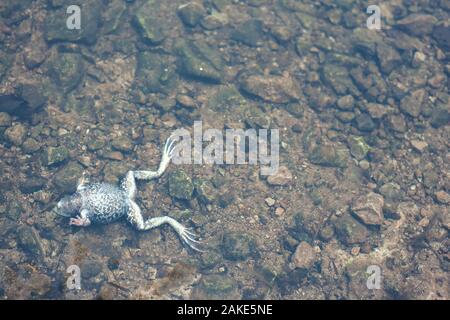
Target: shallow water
[[359, 207]]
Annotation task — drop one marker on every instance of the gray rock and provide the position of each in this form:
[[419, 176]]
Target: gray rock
[[205, 191], [55, 28], [440, 116], [412, 103], [30, 241], [32, 184], [67, 70], [276, 89], [199, 61], [123, 143], [149, 24], [66, 179], [180, 185], [349, 230], [249, 32], [441, 33], [55, 155], [5, 119], [329, 156], [364, 122], [191, 13], [358, 147], [417, 24], [369, 208], [154, 73], [388, 58], [346, 102], [237, 246], [216, 286], [391, 191]]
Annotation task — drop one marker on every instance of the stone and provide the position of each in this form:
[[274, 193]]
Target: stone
[[364, 122], [26, 99], [149, 24], [358, 147], [30, 242], [107, 292], [154, 73], [205, 191], [369, 208], [123, 143], [441, 33], [237, 246], [191, 13], [282, 177], [419, 145], [55, 28], [67, 70], [413, 102], [304, 256], [16, 134], [216, 286], [391, 191], [388, 58], [276, 89], [346, 102], [349, 230], [55, 155], [269, 201], [442, 197], [5, 119], [66, 179], [329, 156], [214, 21], [377, 111], [440, 116], [32, 184], [199, 61], [417, 24], [180, 185], [249, 32]]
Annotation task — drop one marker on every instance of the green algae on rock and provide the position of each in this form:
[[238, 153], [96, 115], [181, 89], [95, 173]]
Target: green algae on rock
[[67, 70], [149, 24], [180, 185]]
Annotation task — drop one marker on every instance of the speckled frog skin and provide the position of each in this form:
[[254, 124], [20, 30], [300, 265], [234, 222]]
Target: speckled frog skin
[[105, 203]]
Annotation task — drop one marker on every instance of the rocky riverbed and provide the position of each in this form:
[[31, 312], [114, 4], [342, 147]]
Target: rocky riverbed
[[363, 117]]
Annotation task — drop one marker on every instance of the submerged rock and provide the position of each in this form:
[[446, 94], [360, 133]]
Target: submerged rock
[[216, 286], [369, 208], [276, 89], [55, 28], [417, 24], [412, 104], [349, 230], [180, 185], [66, 179], [55, 155], [358, 147], [281, 178], [25, 100], [16, 134], [237, 246], [154, 73], [148, 22], [29, 240], [199, 61], [67, 70], [329, 155], [191, 13], [249, 32], [304, 256]]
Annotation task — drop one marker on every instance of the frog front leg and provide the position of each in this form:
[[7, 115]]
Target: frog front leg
[[81, 220], [134, 217]]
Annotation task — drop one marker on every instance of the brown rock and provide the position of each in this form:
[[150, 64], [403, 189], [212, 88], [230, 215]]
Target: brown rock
[[369, 208], [418, 24], [442, 197], [304, 256], [281, 178], [276, 89]]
